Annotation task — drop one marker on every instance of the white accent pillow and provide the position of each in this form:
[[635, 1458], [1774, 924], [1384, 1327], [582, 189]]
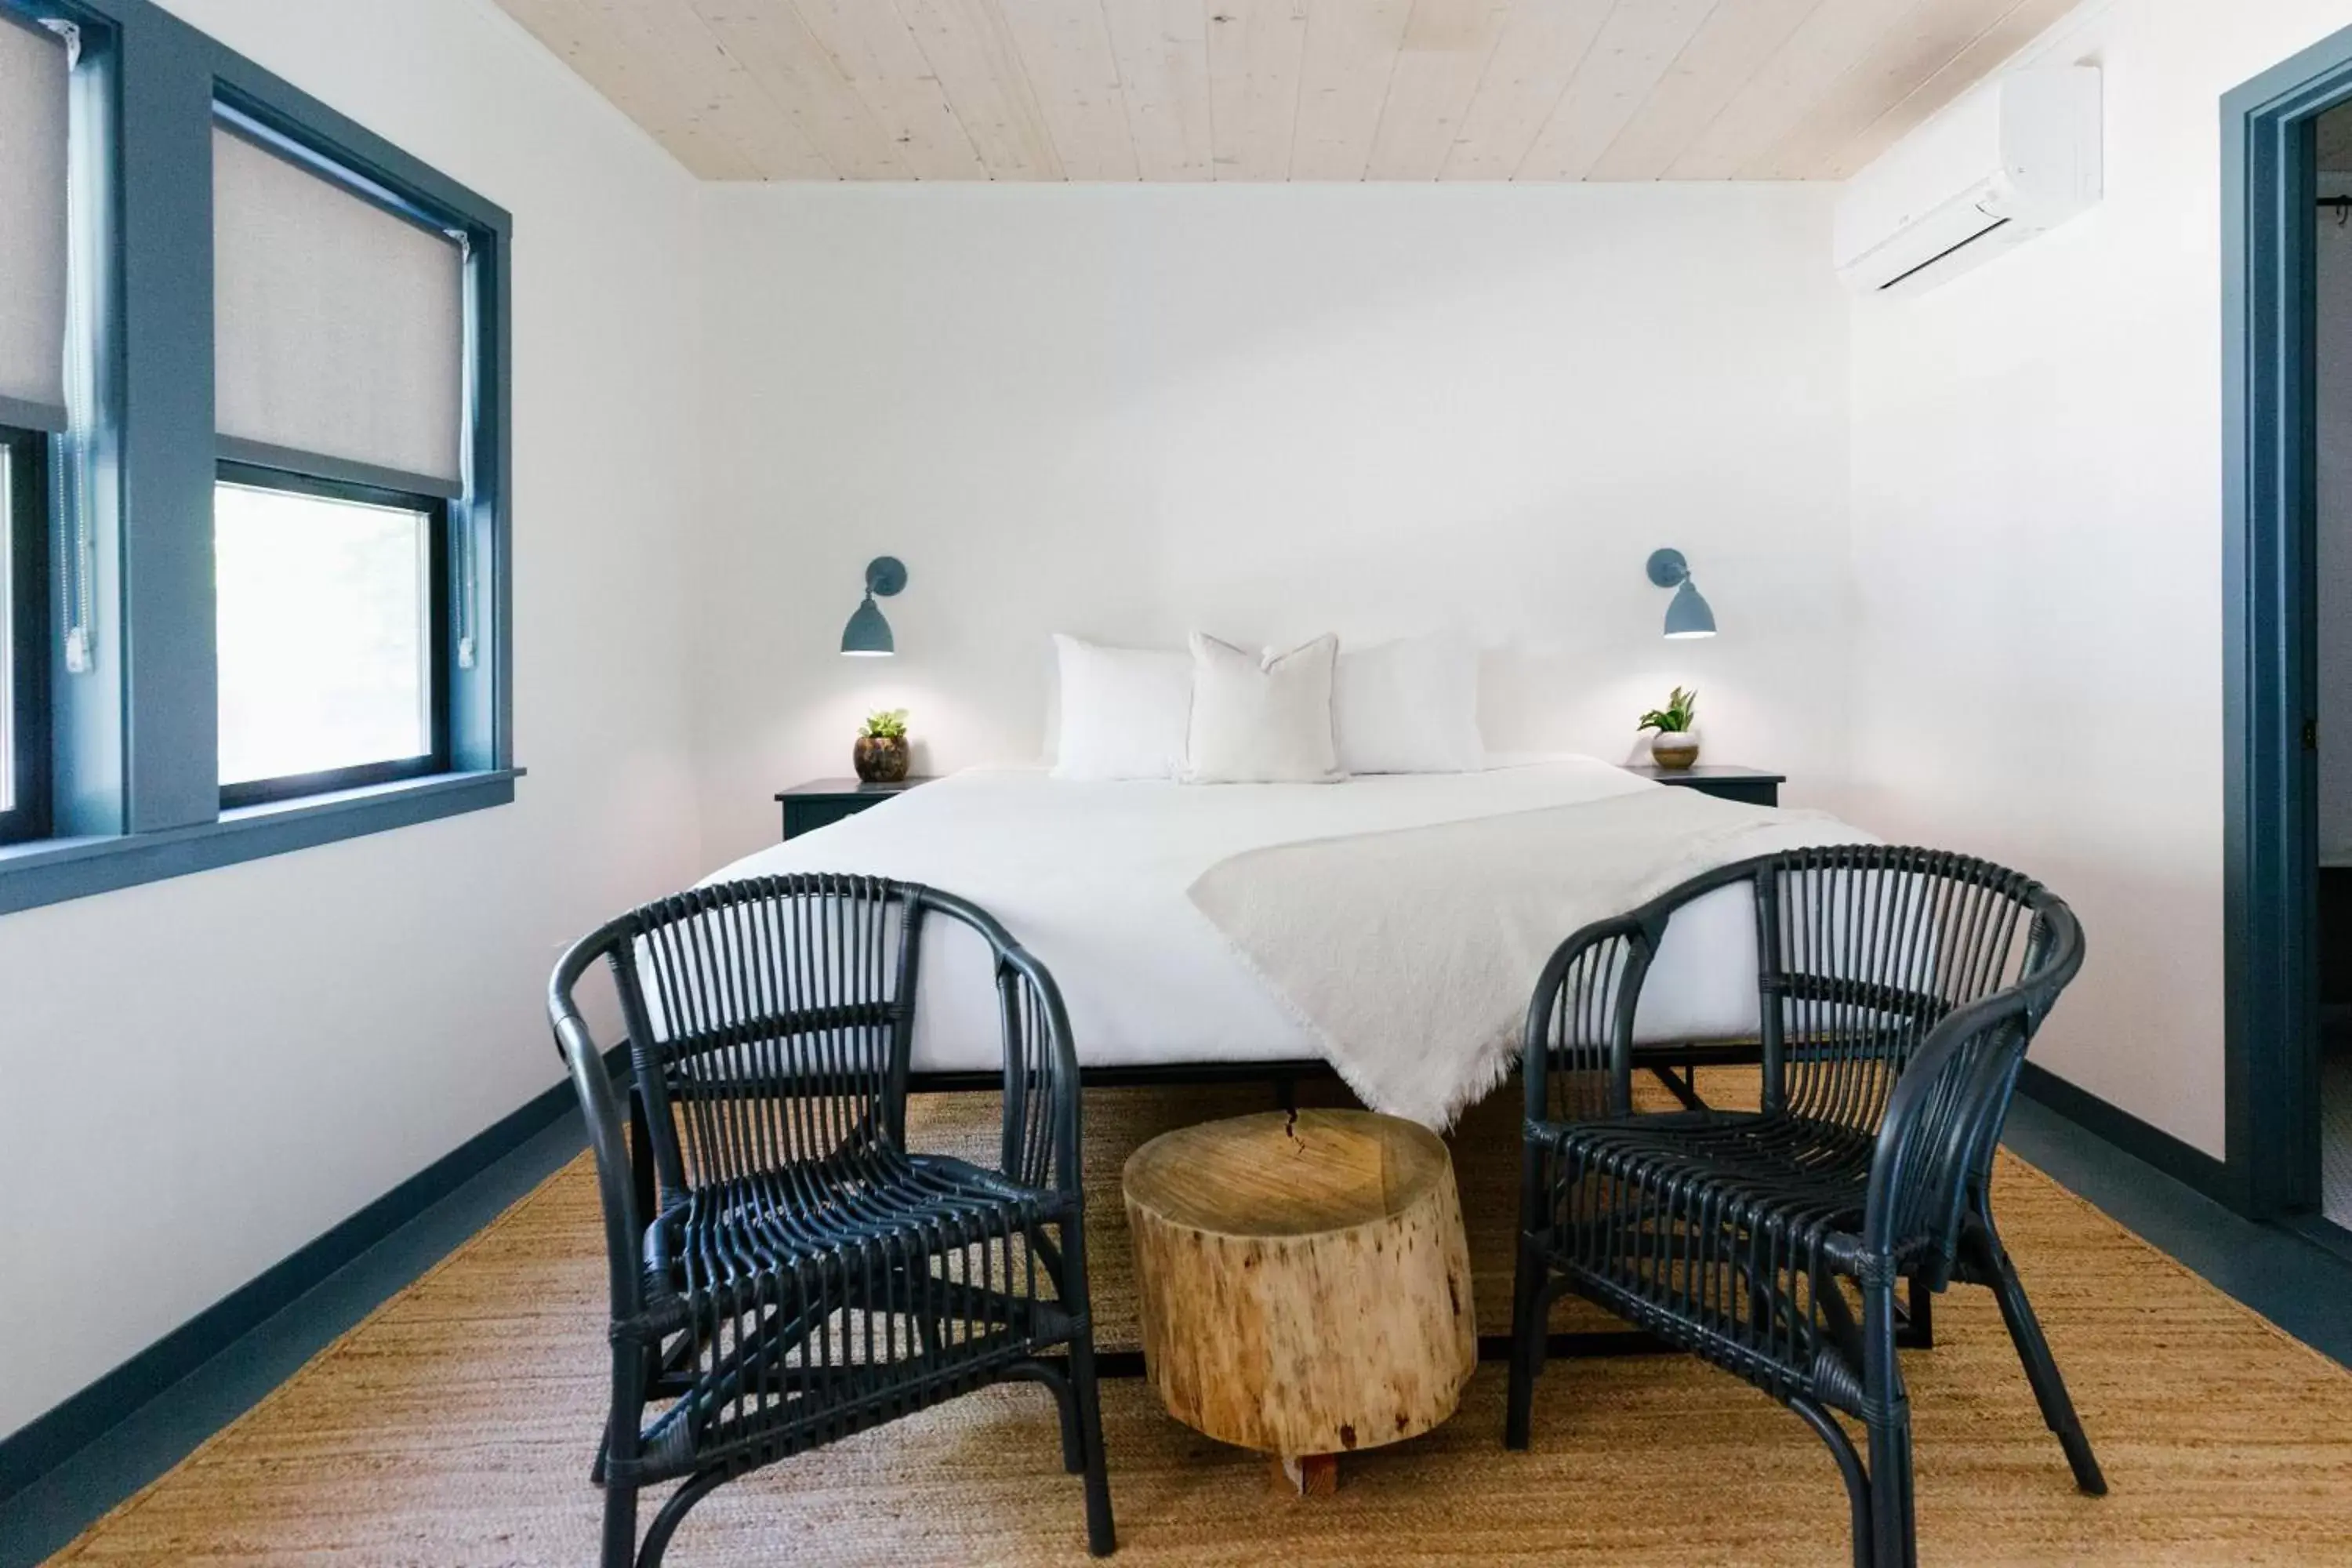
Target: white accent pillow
[[1262, 718], [1124, 710], [1408, 707]]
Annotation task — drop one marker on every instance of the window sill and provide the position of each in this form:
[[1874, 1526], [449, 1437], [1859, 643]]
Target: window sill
[[52, 870]]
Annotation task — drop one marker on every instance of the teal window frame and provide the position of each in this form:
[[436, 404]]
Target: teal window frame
[[135, 791], [24, 625]]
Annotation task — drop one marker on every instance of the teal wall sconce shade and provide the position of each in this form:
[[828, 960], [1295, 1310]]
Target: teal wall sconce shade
[[1688, 614], [867, 634]]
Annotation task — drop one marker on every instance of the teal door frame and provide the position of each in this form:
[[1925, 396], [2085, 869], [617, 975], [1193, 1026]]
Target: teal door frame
[[2269, 707]]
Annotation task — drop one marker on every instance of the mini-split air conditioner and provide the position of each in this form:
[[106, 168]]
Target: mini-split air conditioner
[[2014, 158]]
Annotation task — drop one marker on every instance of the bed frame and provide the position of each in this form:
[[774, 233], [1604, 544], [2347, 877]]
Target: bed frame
[[1286, 1074]]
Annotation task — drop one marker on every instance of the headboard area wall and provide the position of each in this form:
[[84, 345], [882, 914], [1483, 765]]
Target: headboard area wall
[[1126, 411]]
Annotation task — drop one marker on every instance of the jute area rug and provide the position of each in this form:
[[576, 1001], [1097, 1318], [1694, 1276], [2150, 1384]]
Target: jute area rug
[[455, 1426]]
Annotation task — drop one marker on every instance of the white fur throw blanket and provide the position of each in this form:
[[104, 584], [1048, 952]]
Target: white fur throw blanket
[[1411, 954]]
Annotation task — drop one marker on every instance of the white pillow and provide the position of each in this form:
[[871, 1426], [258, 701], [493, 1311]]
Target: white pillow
[[1123, 712], [1408, 707], [1262, 718]]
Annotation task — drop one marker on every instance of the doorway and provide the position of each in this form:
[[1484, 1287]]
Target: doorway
[[2287, 937]]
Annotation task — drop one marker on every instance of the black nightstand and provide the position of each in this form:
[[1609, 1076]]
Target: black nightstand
[[820, 800], [1747, 785]]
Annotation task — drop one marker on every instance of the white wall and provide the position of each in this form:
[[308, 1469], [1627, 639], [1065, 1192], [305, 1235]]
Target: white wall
[[1127, 411], [2038, 547], [203, 1074]]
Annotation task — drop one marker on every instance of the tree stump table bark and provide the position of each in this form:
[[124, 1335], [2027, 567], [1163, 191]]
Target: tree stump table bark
[[1304, 1282]]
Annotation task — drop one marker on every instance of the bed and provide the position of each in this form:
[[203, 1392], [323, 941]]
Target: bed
[[1098, 879]]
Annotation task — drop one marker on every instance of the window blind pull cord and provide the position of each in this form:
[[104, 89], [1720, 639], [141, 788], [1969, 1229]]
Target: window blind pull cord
[[461, 517], [461, 536]]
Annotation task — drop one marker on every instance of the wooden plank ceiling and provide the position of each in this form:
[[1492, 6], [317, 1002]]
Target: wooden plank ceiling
[[1281, 90]]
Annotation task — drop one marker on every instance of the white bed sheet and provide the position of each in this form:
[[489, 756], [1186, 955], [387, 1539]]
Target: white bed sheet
[[1091, 879]]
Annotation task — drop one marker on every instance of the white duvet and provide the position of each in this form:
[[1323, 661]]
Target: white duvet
[[1092, 877], [1411, 954]]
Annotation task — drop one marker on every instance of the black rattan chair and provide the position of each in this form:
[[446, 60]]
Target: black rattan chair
[[1897, 991], [803, 1275]]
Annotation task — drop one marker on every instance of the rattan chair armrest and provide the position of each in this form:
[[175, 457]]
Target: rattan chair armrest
[[1948, 1105], [1041, 1102], [1062, 1128], [1945, 1112], [623, 1228]]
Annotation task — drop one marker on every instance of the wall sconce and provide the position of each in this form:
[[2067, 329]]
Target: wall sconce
[[1686, 614], [867, 634]]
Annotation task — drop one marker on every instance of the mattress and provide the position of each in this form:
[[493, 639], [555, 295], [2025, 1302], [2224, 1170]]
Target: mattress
[[1091, 877]]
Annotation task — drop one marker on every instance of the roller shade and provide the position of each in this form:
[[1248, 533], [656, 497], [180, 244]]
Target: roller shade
[[340, 328], [33, 69]]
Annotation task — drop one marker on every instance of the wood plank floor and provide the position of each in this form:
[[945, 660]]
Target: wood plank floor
[[455, 1426]]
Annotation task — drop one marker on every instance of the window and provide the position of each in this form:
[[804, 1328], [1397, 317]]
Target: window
[[274, 609], [24, 638], [338, 343], [331, 616]]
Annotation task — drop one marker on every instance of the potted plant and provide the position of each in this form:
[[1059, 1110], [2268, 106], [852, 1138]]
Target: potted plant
[[1675, 746], [881, 753]]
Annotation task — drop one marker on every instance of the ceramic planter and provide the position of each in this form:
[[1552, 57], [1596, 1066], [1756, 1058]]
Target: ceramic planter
[[881, 759], [1674, 750]]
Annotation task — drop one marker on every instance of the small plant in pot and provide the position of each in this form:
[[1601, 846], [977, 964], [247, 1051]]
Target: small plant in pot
[[881, 753], [1675, 746]]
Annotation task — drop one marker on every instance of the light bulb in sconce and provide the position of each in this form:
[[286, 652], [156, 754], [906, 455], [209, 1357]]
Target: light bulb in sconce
[[1688, 614], [867, 634]]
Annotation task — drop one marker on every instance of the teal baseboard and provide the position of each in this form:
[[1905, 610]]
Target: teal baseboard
[[2152, 1145], [55, 1437]]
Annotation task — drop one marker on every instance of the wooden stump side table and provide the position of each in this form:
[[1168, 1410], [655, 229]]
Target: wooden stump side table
[[1304, 1282]]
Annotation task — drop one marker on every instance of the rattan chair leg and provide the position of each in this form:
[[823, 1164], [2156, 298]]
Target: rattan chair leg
[[619, 1527], [2041, 1372], [1073, 1437], [1527, 1326], [1919, 1316], [1894, 1535], [1893, 1538], [1102, 1535]]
